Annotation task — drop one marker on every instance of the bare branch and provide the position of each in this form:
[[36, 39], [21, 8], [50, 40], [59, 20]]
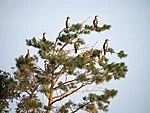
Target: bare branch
[[83, 48], [85, 20], [68, 93], [58, 36], [95, 90], [95, 43]]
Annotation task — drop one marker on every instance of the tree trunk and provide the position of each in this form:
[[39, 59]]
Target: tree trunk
[[50, 99]]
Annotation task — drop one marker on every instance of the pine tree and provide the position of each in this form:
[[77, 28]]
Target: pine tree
[[7, 90], [67, 72]]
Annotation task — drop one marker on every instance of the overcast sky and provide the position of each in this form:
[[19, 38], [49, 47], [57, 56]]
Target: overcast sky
[[130, 20]]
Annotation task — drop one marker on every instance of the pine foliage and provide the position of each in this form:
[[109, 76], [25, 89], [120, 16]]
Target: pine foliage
[[67, 73]]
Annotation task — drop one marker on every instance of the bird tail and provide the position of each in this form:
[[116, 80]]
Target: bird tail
[[104, 52], [75, 50]]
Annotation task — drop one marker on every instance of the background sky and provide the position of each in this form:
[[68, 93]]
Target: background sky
[[23, 19]]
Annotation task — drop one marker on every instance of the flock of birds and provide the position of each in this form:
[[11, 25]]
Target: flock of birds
[[95, 24], [76, 44]]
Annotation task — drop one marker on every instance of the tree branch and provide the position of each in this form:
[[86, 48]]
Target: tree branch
[[67, 43], [59, 74], [58, 36], [77, 33], [90, 90], [83, 48], [67, 94], [77, 109], [68, 82]]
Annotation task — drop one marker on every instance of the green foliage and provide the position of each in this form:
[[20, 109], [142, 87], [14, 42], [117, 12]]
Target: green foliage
[[65, 38], [121, 54], [95, 53], [62, 86], [111, 50], [65, 73], [29, 104], [7, 90], [98, 29]]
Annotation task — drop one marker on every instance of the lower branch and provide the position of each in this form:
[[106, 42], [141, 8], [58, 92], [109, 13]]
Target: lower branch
[[68, 93]]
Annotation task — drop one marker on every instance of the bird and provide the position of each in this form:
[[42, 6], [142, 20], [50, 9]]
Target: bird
[[95, 21], [105, 46], [67, 22], [44, 38], [76, 45], [28, 54], [100, 56], [45, 65]]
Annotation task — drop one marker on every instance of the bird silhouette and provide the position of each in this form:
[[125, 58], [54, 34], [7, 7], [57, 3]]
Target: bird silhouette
[[67, 22], [95, 21], [45, 65], [28, 54], [76, 45], [105, 46], [44, 37]]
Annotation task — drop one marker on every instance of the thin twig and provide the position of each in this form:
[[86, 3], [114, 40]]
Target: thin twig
[[58, 36], [95, 43]]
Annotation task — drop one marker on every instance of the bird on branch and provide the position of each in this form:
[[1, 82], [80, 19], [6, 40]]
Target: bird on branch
[[95, 21], [105, 46], [67, 22], [76, 45], [45, 65], [28, 54], [44, 37]]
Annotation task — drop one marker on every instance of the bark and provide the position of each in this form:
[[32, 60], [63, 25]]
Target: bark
[[50, 99]]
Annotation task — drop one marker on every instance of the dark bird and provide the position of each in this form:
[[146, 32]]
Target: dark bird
[[105, 46], [44, 37], [76, 45], [67, 22], [45, 65], [100, 56], [95, 22], [28, 54]]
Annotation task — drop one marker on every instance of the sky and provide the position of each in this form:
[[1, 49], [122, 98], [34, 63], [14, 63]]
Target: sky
[[23, 19]]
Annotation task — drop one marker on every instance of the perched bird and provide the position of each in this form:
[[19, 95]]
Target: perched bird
[[95, 22], [28, 54], [105, 46], [45, 65], [76, 45], [100, 56], [67, 22], [44, 37]]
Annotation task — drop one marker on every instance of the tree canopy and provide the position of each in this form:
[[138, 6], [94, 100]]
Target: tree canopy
[[69, 67]]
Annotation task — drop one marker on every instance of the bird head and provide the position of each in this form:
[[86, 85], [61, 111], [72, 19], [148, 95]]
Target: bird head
[[45, 61], [68, 17], [101, 51], [96, 16], [78, 39], [44, 33], [107, 40]]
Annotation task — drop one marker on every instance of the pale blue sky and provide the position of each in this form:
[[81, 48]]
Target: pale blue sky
[[22, 19]]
